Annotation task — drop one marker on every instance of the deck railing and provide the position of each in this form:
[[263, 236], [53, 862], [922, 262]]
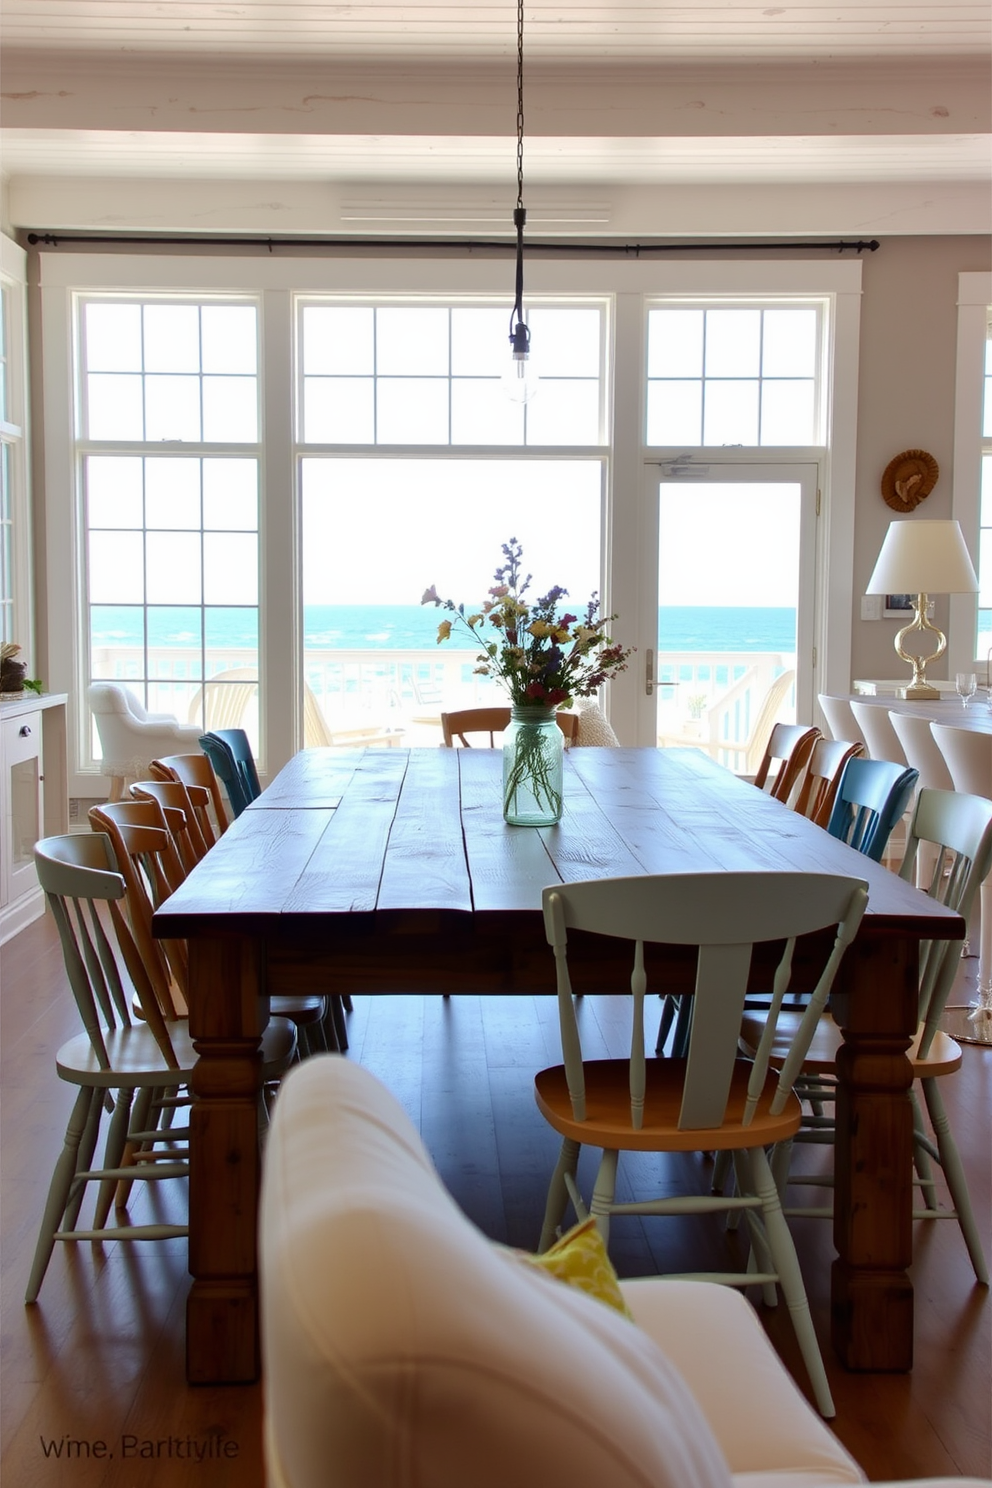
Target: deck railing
[[710, 699]]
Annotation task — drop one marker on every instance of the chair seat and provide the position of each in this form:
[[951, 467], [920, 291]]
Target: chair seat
[[301, 1009], [607, 1124], [944, 1057], [136, 1059]]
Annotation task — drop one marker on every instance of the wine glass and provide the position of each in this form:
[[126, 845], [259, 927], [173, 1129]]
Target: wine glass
[[965, 682]]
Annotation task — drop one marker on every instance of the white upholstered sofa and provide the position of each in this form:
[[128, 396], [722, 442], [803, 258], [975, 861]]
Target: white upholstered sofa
[[401, 1347]]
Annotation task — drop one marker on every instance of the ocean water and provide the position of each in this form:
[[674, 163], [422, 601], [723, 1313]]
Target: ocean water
[[414, 627]]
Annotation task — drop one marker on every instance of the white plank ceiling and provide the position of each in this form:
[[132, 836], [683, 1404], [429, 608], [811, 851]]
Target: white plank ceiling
[[419, 31], [372, 100]]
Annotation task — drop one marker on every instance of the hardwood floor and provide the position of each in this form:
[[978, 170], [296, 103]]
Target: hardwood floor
[[99, 1360]]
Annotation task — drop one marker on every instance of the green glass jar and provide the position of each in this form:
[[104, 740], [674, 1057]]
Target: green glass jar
[[533, 767]]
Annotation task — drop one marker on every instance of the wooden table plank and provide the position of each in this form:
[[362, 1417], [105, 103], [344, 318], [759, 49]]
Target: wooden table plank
[[313, 778], [425, 865], [265, 853], [508, 866], [343, 874]]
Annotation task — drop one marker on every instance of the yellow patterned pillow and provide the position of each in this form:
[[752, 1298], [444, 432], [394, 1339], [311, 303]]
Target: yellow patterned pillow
[[580, 1258]]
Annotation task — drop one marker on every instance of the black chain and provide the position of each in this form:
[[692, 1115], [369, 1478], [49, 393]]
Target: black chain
[[520, 103]]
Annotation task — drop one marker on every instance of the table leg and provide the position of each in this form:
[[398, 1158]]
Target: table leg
[[871, 1293], [227, 1016]]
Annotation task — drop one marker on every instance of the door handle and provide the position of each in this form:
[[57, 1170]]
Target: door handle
[[649, 672]]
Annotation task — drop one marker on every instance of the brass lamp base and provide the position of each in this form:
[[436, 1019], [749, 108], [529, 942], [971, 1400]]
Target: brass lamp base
[[918, 690], [919, 687]]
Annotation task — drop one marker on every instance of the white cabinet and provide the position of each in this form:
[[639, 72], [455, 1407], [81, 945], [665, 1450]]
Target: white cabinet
[[33, 799]]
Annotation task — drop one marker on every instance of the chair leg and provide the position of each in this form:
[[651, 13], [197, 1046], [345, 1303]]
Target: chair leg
[[84, 1158], [604, 1193], [114, 1155], [950, 1161], [58, 1194], [790, 1279], [760, 1257], [142, 1116], [554, 1211], [668, 1009], [683, 1028], [721, 1168], [781, 1161], [921, 1158], [338, 1020]]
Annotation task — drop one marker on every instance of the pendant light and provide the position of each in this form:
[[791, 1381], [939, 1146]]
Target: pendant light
[[520, 381]]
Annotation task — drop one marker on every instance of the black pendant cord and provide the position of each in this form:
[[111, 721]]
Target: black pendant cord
[[519, 332]]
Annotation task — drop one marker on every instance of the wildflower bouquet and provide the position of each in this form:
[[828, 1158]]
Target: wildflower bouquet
[[545, 660], [541, 657]]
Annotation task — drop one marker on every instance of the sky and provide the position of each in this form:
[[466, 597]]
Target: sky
[[382, 531]]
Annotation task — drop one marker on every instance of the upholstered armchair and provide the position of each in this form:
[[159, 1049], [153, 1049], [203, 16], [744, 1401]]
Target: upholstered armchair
[[131, 737]]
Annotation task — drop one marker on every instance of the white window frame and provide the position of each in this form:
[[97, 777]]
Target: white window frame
[[15, 434], [628, 285], [194, 449], [974, 301]]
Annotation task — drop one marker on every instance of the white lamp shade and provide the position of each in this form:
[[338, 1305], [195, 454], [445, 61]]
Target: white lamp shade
[[920, 557]]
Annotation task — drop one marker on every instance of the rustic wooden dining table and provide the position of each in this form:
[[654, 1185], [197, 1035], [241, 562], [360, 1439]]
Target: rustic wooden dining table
[[373, 871]]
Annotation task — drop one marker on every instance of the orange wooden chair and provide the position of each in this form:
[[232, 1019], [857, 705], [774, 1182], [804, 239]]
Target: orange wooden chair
[[493, 721], [789, 748], [819, 787]]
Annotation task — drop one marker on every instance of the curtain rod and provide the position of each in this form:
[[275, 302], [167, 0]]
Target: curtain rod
[[629, 250]]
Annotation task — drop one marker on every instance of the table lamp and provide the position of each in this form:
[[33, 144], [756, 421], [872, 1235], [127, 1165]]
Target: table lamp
[[920, 558]]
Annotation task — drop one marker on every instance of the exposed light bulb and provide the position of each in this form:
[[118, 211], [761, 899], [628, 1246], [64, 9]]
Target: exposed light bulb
[[520, 381]]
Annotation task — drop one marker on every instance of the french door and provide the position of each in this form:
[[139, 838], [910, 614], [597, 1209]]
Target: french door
[[727, 623]]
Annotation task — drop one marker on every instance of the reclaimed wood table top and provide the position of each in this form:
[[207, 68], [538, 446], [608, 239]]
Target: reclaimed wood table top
[[393, 833]]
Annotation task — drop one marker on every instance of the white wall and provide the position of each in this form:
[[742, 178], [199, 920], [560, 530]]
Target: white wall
[[905, 401]]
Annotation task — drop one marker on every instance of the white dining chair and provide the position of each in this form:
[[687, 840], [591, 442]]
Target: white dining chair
[[840, 720], [876, 729], [968, 757], [710, 1101], [921, 751], [959, 826]]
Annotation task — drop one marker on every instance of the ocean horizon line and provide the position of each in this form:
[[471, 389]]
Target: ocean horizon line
[[414, 628]]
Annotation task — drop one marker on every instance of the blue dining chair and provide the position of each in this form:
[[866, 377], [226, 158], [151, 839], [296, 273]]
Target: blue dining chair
[[871, 798], [229, 751]]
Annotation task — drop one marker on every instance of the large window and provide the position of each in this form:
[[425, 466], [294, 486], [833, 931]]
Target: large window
[[734, 375], [378, 528], [432, 374], [168, 416], [267, 461]]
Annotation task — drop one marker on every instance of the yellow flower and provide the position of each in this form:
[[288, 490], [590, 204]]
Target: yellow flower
[[539, 629], [443, 631]]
